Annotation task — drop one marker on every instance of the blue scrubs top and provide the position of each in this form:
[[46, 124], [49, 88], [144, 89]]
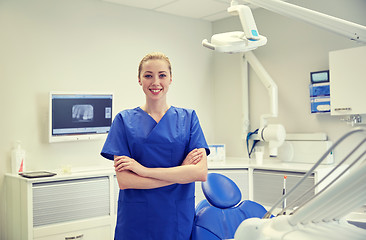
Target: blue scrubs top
[[165, 213]]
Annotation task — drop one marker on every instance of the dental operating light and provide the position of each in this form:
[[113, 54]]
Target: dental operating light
[[237, 41]]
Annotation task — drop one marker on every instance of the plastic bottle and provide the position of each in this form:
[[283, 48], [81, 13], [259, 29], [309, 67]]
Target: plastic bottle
[[17, 159]]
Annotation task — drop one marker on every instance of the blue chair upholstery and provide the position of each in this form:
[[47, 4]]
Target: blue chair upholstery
[[221, 213]]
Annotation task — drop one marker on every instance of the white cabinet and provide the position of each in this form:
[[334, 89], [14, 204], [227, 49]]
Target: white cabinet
[[347, 81], [80, 206], [268, 186]]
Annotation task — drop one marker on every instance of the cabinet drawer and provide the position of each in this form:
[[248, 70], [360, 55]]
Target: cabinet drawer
[[95, 233], [268, 186], [69, 200]]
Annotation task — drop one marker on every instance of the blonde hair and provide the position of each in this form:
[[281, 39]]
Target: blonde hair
[[153, 56]]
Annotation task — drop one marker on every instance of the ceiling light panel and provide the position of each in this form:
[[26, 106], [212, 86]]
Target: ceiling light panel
[[147, 4], [194, 8], [217, 16]]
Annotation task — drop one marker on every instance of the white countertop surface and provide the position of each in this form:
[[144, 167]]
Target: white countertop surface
[[268, 164], [228, 163]]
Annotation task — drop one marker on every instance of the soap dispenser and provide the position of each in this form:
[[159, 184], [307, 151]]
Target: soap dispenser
[[17, 159]]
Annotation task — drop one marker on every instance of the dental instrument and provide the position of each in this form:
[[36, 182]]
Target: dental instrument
[[323, 216]]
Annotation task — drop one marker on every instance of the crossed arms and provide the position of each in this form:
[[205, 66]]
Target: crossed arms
[[131, 174]]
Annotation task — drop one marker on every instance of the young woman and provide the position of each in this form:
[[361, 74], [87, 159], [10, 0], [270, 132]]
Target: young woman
[[159, 151]]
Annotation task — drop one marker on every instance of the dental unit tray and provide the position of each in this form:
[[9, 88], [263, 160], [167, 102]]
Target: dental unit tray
[[322, 217]]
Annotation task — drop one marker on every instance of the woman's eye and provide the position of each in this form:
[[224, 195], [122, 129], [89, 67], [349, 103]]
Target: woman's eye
[[147, 76], [162, 75]]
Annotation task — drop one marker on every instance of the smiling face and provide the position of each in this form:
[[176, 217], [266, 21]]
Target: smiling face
[[155, 78]]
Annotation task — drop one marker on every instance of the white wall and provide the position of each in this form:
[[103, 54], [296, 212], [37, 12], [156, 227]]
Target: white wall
[[88, 45], [294, 49]]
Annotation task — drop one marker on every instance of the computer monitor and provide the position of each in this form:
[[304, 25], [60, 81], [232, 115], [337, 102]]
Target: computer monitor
[[79, 116]]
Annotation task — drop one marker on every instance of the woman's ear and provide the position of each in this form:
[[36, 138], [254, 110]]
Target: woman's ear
[[140, 81]]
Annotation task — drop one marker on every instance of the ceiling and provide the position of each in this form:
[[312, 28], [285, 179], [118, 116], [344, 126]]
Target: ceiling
[[210, 10]]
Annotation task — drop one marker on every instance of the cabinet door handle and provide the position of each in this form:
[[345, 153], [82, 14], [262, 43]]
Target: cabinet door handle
[[343, 109], [81, 236]]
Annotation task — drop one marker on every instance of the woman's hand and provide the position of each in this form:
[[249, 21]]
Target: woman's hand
[[194, 157], [123, 163]]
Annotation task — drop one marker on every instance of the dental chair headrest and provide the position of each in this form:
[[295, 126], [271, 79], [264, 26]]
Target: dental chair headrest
[[220, 191]]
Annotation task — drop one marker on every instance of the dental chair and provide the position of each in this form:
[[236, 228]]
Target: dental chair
[[219, 216]]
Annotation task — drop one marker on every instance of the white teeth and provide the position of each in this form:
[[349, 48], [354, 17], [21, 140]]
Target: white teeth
[[155, 90]]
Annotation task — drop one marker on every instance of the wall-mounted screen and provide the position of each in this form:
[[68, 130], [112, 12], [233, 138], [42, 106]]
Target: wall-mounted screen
[[79, 116]]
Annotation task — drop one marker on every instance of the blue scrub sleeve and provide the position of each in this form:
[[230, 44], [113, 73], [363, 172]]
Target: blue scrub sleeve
[[197, 138], [116, 142]]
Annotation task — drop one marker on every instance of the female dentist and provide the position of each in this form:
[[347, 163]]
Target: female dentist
[[159, 151]]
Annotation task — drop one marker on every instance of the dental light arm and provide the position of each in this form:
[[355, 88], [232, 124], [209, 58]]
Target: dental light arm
[[342, 27], [274, 134], [268, 83]]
